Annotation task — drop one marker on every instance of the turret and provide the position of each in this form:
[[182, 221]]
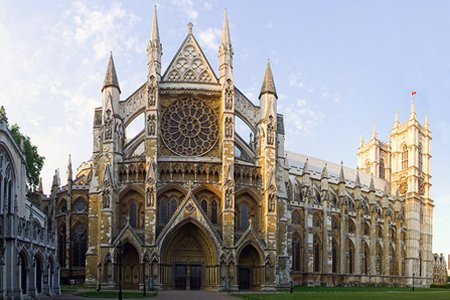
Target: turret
[[111, 88], [268, 93]]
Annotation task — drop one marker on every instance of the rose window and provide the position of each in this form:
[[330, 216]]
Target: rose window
[[189, 127]]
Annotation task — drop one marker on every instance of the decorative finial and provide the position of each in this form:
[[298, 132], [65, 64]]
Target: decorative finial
[[189, 185], [190, 25]]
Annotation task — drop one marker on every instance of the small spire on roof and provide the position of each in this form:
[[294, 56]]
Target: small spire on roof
[[111, 75], [361, 141], [306, 167], [268, 85], [372, 185], [396, 118], [154, 35], [226, 31], [325, 172], [341, 173], [426, 118], [190, 25], [374, 132], [357, 180]]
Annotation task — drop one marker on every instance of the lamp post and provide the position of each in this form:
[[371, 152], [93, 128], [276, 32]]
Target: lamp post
[[413, 280], [120, 252], [99, 276], [143, 274]]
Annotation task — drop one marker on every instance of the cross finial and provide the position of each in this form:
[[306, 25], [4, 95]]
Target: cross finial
[[189, 185], [190, 25]]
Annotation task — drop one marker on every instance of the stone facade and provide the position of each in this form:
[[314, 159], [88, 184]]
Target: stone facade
[[196, 206], [439, 269], [28, 265]]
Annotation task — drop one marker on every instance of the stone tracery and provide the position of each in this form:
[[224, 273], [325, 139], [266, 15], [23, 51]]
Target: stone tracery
[[189, 127]]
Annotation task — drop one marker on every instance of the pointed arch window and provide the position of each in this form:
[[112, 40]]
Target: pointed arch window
[[79, 246], [316, 249], [163, 211], [367, 167], [173, 206], [404, 157], [244, 217], [214, 212], [382, 169], [334, 251], [62, 246], [133, 214], [296, 247], [295, 218], [351, 253], [204, 206], [420, 158]]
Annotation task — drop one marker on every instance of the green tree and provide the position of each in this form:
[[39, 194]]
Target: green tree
[[35, 162]]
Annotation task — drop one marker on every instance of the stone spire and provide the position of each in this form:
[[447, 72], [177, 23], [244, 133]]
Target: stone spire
[[154, 35], [372, 185], [268, 85], [413, 109], [111, 75], [69, 169], [154, 50], [341, 173], [361, 141], [225, 51], [357, 180], [396, 118], [40, 187], [374, 132], [426, 119], [325, 171]]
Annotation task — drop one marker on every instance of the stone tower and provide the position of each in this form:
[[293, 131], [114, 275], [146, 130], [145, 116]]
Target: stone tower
[[404, 162]]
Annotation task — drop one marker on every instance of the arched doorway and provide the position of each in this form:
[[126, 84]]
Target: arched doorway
[[130, 268], [250, 269], [190, 255]]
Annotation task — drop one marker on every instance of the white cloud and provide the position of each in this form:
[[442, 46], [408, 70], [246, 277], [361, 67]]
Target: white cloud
[[207, 6], [188, 7], [301, 102], [210, 38], [270, 25], [294, 80]]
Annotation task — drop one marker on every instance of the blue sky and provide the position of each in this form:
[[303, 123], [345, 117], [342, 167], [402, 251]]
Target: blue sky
[[338, 67]]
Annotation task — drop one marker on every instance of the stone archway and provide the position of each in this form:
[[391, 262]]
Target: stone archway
[[250, 268], [189, 259], [130, 268]]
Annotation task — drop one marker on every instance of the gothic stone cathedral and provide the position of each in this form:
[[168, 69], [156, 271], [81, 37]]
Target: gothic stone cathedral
[[196, 206]]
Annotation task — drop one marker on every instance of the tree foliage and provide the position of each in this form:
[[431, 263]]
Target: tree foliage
[[35, 162]]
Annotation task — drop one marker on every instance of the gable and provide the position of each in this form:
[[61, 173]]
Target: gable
[[190, 64]]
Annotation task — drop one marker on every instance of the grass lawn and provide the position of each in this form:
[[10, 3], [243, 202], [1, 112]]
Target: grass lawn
[[114, 294], [354, 293]]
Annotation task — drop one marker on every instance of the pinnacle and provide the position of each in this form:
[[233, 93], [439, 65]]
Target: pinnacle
[[111, 75], [154, 35], [225, 31], [268, 85]]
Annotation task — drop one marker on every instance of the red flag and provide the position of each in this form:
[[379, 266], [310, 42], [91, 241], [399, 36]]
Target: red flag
[[413, 93]]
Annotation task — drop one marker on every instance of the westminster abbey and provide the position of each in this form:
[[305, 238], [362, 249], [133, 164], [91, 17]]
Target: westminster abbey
[[189, 204]]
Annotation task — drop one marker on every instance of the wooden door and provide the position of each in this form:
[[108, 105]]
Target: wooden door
[[180, 277], [196, 277], [244, 279]]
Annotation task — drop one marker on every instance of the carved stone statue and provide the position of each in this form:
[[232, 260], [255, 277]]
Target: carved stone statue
[[151, 125]]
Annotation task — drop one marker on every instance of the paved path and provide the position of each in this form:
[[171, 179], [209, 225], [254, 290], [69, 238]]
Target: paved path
[[192, 295], [162, 295]]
